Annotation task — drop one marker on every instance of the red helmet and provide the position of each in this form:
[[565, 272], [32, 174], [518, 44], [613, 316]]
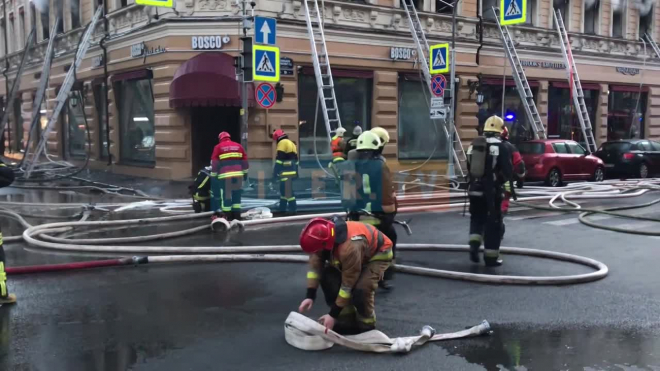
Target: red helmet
[[277, 134], [318, 234], [224, 135], [505, 133]]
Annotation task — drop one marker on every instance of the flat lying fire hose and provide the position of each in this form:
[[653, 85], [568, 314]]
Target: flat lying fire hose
[[304, 333]]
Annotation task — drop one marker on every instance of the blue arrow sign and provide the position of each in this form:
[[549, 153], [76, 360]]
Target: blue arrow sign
[[265, 30]]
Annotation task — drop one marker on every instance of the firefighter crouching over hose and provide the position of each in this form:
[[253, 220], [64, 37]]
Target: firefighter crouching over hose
[[489, 168], [229, 166], [286, 170], [348, 259], [201, 191], [519, 172], [6, 178]]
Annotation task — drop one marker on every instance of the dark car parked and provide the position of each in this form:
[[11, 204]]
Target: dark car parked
[[634, 158]]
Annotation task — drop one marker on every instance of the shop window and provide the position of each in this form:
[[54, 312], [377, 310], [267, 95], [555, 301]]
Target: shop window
[[618, 18], [591, 16], [445, 6], [646, 20], [75, 13], [101, 111], [354, 103], [18, 133], [135, 104], [416, 136], [626, 114], [75, 119], [563, 122], [515, 117], [487, 12], [563, 6]]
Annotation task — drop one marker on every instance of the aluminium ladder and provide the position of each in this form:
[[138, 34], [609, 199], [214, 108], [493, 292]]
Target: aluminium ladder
[[522, 85], [16, 84], [423, 55], [63, 94], [324, 83], [575, 85], [653, 44]]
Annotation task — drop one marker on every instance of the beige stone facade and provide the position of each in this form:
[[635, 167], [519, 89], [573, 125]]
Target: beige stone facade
[[359, 36]]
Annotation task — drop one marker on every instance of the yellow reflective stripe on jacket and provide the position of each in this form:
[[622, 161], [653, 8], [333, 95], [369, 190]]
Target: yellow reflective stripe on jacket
[[383, 256], [206, 180], [278, 162], [231, 155], [288, 173], [345, 293], [312, 275], [366, 185], [200, 198], [231, 174], [3, 275], [337, 159]]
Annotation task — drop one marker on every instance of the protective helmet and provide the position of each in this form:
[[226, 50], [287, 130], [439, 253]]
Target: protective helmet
[[318, 234], [368, 141], [340, 132], [224, 135], [357, 130], [494, 124], [277, 134], [382, 134], [505, 133]]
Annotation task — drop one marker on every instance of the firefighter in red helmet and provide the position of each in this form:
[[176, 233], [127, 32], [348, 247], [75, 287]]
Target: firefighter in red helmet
[[347, 259], [229, 168], [285, 170]]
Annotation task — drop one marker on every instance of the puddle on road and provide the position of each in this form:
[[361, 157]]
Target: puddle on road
[[584, 348]]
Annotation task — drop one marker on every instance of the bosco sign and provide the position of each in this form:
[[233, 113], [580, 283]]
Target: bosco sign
[[209, 42]]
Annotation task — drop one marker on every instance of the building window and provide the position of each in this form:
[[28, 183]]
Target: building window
[[99, 101], [417, 138], [645, 19], [515, 116], [531, 12], [75, 14], [626, 114], [591, 16], [487, 12], [445, 6], [11, 35], [563, 6], [123, 3], [76, 132], [45, 27], [22, 36], [563, 122], [60, 15], [354, 103], [135, 104], [19, 134], [618, 18]]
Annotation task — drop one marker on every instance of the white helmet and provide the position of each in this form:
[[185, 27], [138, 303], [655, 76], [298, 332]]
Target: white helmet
[[340, 132]]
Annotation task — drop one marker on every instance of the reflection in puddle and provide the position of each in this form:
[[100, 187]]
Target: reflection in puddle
[[584, 348]]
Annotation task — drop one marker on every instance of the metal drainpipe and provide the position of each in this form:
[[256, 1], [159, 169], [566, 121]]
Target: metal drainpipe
[[481, 31], [105, 78], [4, 11]]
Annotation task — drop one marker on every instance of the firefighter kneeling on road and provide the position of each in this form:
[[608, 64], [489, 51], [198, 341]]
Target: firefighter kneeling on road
[[6, 178], [201, 191], [347, 259], [489, 168], [286, 169], [229, 165], [519, 172]]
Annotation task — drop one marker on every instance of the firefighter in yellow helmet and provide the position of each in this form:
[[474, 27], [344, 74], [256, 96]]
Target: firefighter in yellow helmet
[[489, 168]]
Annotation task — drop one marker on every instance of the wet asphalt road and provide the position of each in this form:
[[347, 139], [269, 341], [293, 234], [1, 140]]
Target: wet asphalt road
[[230, 316]]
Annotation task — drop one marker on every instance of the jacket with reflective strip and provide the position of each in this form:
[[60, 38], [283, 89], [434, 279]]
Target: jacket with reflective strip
[[229, 160], [337, 147], [286, 160]]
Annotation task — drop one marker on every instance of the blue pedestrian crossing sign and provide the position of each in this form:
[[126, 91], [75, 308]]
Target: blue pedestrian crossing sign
[[266, 63], [438, 59], [265, 30], [513, 12]]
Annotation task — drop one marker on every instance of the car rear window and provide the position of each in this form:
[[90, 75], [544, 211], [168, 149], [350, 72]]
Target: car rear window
[[615, 147], [531, 148]]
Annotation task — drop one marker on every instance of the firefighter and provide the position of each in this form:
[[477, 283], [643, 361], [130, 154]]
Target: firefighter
[[6, 178], [519, 172], [384, 139], [351, 144], [347, 259], [229, 168], [489, 168], [201, 191], [337, 145], [286, 170]]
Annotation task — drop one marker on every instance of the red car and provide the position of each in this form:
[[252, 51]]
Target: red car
[[556, 160]]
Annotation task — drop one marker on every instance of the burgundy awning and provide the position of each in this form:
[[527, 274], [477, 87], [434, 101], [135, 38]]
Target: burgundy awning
[[509, 82], [209, 79], [585, 85]]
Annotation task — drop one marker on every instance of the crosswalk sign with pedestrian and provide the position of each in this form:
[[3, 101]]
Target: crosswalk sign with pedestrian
[[266, 63], [513, 12], [438, 59]]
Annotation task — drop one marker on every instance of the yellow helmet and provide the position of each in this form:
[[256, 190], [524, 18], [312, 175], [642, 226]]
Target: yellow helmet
[[368, 141], [494, 124], [382, 134]]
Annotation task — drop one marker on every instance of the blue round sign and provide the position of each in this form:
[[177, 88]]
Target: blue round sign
[[438, 84]]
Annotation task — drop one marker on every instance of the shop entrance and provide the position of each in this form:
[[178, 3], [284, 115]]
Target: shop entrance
[[207, 123]]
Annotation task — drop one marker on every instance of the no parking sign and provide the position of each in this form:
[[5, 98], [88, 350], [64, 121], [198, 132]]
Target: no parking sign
[[265, 95]]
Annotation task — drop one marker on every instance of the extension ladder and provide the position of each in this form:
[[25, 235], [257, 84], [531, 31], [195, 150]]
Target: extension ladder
[[575, 85], [63, 94], [423, 55], [522, 85], [653, 44], [324, 83]]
